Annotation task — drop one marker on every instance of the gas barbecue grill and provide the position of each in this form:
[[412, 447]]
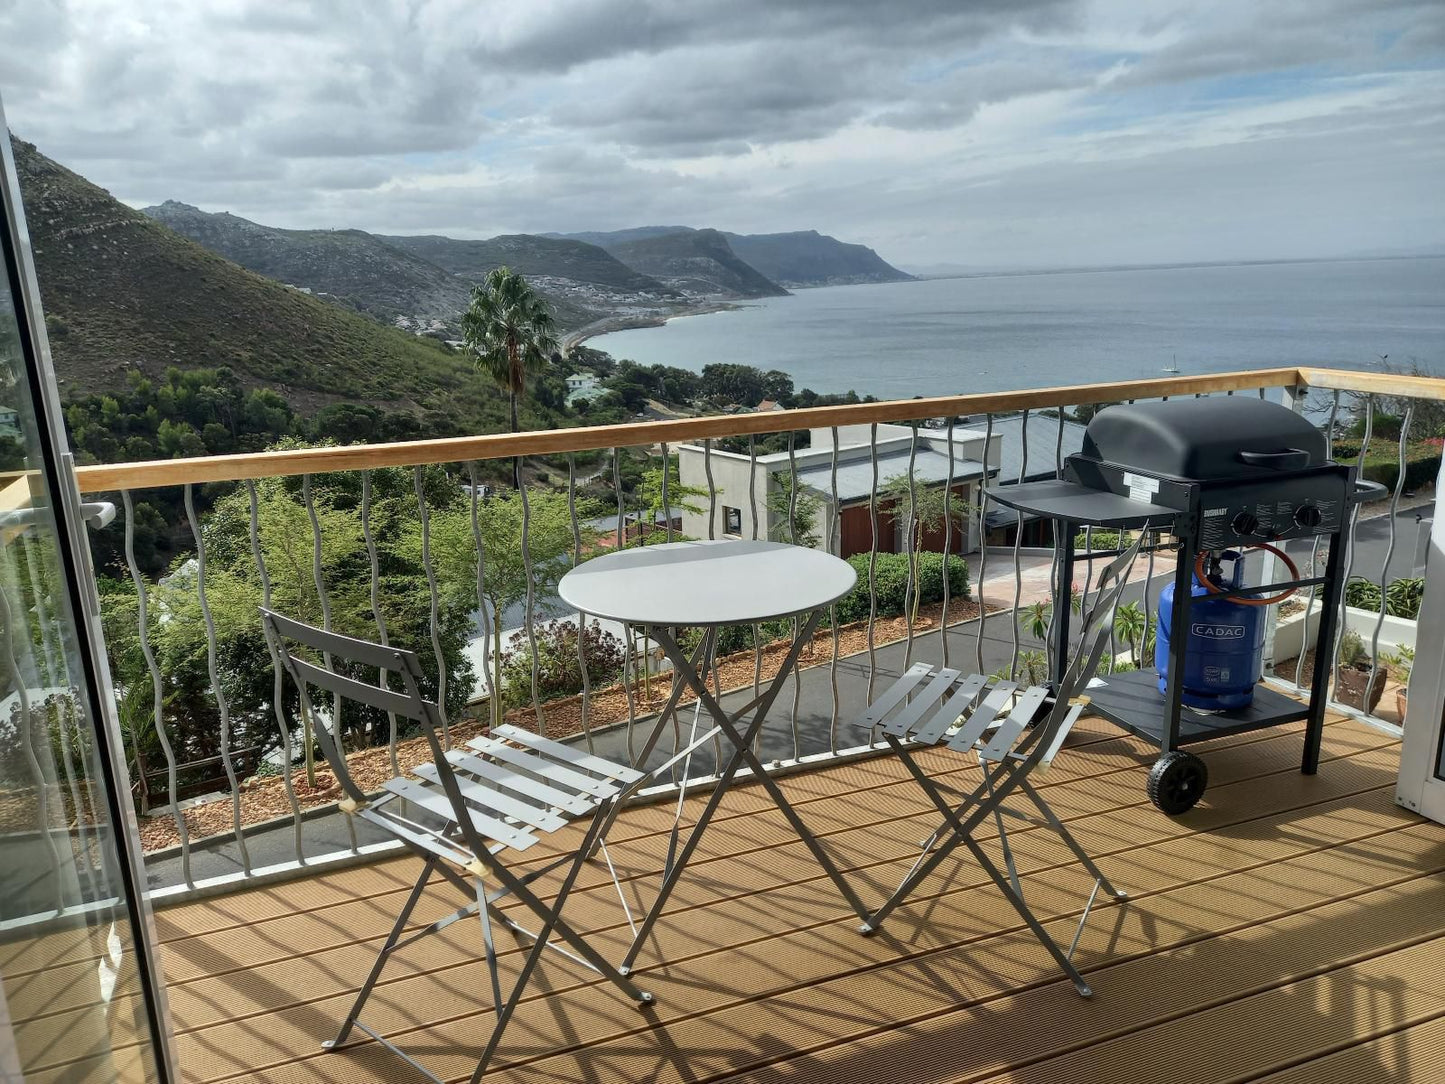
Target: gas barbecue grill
[[1216, 474]]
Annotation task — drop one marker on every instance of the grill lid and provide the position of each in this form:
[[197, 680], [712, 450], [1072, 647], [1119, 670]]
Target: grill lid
[[1206, 439]]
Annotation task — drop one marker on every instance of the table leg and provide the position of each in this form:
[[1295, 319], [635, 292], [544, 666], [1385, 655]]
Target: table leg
[[743, 752], [760, 707]]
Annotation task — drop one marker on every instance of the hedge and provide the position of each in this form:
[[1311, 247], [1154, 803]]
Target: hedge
[[890, 582], [1382, 463], [890, 579]]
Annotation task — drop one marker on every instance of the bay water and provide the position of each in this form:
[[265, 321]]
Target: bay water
[[1004, 332]]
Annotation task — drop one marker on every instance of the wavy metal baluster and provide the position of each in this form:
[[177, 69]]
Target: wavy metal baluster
[[531, 602], [947, 548], [753, 508], [793, 538], [1018, 540], [157, 685], [711, 489], [10, 667], [1334, 649], [628, 667], [1057, 562], [666, 503], [325, 602], [911, 588], [376, 609], [1299, 663], [982, 547], [49, 634], [489, 682], [417, 478], [581, 617], [223, 708], [254, 529], [834, 547], [873, 557], [1404, 449]]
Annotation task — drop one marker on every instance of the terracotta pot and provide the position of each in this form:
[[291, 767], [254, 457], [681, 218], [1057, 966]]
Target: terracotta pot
[[1400, 703], [1355, 688]]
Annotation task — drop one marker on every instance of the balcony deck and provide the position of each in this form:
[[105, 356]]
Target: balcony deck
[[1285, 930]]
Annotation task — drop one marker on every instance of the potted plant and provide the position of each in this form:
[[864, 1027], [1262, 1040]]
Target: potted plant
[[1399, 663], [1358, 683]]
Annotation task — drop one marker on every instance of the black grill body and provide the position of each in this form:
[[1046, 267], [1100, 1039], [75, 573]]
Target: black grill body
[[1247, 471], [1214, 473]]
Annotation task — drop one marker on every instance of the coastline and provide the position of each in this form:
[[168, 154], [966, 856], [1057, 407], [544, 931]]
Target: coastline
[[610, 324]]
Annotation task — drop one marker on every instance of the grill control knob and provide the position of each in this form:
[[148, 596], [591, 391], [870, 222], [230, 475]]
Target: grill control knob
[[1308, 516], [1245, 524]]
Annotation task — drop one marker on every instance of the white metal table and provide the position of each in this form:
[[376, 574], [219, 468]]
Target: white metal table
[[707, 585]]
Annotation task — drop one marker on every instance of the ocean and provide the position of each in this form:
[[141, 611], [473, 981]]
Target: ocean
[[1005, 332]]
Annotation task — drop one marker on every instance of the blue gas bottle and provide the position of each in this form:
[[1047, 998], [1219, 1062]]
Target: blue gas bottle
[[1223, 648]]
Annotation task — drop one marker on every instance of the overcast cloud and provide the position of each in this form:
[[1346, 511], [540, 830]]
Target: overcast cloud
[[973, 132]]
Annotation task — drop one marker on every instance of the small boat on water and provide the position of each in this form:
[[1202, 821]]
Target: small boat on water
[[1172, 367]]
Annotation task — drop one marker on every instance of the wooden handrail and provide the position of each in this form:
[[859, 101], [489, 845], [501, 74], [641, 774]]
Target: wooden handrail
[[170, 472]]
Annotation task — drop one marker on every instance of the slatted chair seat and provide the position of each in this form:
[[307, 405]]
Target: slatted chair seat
[[1013, 732], [462, 813]]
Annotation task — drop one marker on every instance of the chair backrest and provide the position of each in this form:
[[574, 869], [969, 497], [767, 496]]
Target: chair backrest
[[333, 648], [1096, 624]]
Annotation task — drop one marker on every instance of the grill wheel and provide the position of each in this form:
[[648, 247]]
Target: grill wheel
[[1177, 782]]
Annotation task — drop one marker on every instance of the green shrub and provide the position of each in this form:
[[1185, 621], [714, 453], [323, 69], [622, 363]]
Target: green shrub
[[1402, 596], [890, 583], [1100, 539], [558, 673]]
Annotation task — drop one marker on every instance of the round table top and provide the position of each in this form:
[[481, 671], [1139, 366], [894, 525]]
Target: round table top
[[727, 582]]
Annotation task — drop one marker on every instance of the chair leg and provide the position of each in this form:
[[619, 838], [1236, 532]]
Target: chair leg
[[1070, 842], [552, 922], [1060, 958], [386, 950]]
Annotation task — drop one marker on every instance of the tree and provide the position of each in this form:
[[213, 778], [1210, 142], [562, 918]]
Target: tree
[[678, 495], [504, 568], [794, 518], [511, 332]]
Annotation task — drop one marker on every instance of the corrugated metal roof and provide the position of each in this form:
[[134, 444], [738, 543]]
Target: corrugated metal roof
[[855, 479]]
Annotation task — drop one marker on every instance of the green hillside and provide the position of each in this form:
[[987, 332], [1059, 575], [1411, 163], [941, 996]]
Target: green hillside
[[122, 292], [533, 256], [810, 258], [697, 262], [350, 266]]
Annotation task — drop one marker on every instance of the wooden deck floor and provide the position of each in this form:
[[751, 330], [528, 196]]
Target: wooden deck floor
[[1289, 930]]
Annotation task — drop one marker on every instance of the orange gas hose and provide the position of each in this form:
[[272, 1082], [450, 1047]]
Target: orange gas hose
[[1214, 589]]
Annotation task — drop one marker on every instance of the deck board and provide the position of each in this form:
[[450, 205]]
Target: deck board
[[1287, 929]]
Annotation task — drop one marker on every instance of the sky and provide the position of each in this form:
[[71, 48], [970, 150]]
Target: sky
[[976, 133]]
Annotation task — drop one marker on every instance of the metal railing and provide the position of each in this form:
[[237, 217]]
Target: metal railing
[[310, 517]]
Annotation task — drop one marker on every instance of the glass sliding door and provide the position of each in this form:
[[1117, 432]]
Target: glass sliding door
[[80, 994]]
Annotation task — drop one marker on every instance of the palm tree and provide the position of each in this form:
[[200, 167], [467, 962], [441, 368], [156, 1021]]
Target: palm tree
[[511, 332]]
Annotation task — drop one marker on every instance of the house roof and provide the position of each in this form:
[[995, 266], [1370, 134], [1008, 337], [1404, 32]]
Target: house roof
[[1043, 444], [855, 478]]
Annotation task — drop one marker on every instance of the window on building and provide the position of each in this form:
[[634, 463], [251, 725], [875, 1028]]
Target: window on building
[[732, 520]]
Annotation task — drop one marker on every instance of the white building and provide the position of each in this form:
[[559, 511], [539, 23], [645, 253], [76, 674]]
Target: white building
[[743, 486], [582, 386]]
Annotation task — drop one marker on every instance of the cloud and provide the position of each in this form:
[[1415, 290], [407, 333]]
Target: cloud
[[988, 132]]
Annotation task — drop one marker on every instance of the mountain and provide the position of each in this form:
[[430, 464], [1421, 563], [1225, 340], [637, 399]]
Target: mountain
[[123, 292], [583, 273], [700, 263], [617, 237], [810, 258], [349, 266]]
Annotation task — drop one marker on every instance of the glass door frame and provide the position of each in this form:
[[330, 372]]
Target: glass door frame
[[57, 466], [1421, 786]]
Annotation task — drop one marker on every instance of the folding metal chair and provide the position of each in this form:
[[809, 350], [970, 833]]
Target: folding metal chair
[[1013, 731], [461, 813]]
